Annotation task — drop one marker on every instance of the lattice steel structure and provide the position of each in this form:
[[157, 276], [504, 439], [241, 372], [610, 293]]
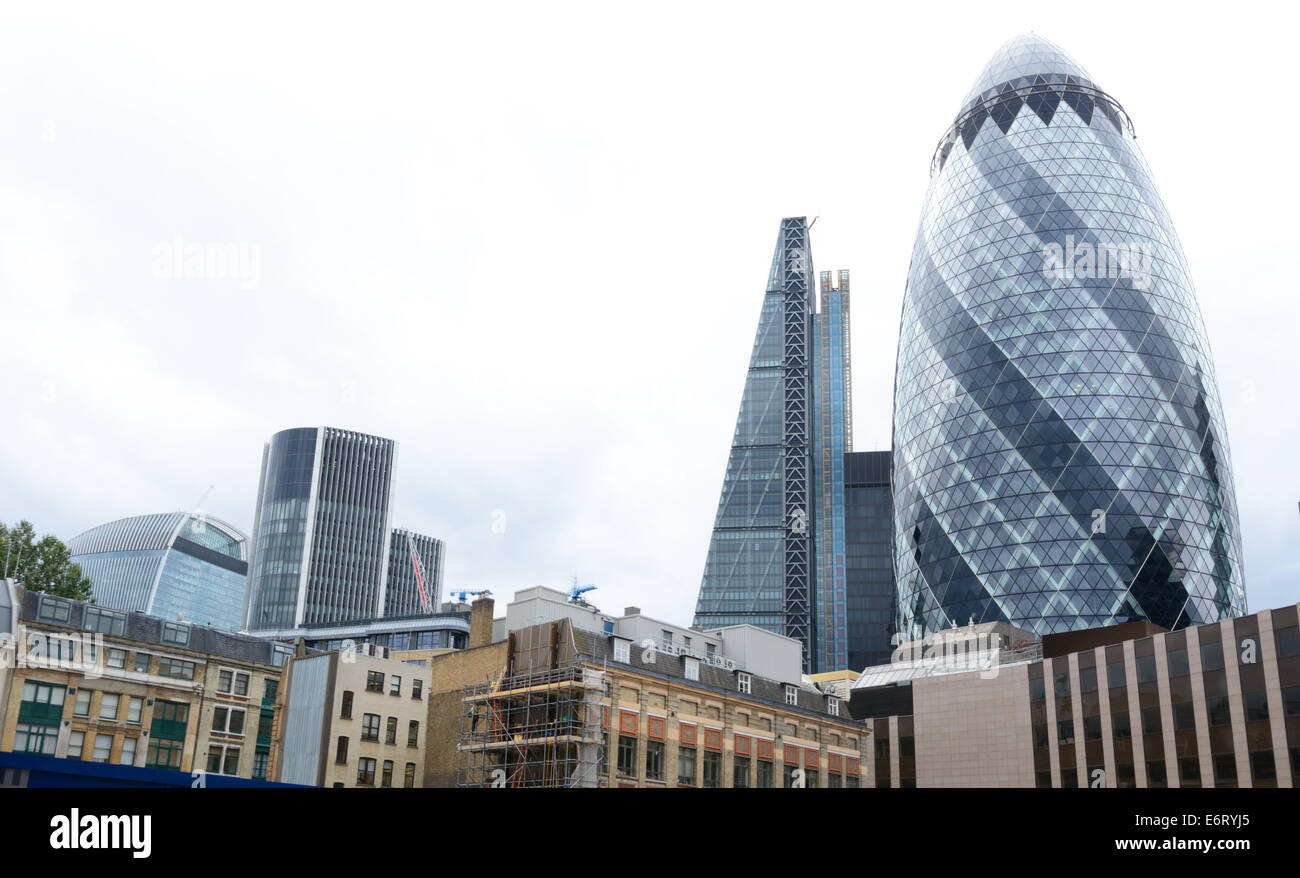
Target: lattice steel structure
[[1060, 456], [759, 569]]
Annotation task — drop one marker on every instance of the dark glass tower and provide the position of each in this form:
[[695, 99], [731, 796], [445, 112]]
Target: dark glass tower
[[1060, 457], [869, 558], [402, 597], [759, 567]]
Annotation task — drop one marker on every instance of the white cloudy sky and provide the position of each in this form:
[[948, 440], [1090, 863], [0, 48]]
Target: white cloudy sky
[[530, 243]]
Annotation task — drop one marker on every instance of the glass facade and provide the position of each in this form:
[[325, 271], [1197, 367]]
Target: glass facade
[[759, 568], [832, 437], [1060, 458], [280, 528], [402, 596], [174, 565], [869, 559]]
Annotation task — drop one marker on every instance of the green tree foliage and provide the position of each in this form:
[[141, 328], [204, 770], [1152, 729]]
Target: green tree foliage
[[41, 565]]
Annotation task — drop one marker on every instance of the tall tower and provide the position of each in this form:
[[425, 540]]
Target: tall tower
[[1060, 457], [760, 570], [832, 439], [322, 545]]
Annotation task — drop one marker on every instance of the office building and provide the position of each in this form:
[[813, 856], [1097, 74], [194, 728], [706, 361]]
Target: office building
[[869, 558], [176, 565], [781, 494], [324, 552], [1128, 705], [1060, 456]]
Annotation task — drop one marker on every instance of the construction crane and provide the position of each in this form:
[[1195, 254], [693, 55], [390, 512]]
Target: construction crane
[[576, 593], [419, 572], [461, 596]]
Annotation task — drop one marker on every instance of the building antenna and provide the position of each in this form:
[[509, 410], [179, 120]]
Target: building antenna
[[813, 223]]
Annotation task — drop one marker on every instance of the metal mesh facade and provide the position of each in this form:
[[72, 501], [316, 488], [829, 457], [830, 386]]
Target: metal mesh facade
[[1060, 456]]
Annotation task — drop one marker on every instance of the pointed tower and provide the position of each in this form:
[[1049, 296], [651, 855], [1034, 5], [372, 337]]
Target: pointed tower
[[759, 569]]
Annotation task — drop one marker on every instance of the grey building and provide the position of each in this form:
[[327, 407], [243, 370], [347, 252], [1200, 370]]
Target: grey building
[[869, 558], [323, 548]]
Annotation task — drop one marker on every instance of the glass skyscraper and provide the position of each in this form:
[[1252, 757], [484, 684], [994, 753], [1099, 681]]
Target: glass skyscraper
[[323, 546], [782, 493], [832, 437], [173, 565], [1060, 458], [869, 559]]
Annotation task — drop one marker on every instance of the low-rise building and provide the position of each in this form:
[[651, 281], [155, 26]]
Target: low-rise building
[[575, 697], [353, 718], [1130, 705], [89, 683]]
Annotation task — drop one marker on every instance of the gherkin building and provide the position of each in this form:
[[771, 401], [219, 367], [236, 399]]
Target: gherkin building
[[1060, 457]]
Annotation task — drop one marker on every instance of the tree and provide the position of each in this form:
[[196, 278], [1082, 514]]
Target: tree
[[41, 565]]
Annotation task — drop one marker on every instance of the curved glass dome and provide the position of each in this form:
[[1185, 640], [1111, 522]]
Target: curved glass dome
[[1061, 460]]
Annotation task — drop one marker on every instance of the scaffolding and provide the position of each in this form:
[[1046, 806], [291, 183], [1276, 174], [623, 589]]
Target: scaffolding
[[540, 722]]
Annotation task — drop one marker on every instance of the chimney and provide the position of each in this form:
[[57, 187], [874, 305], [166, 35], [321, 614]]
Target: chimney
[[631, 611], [480, 622]]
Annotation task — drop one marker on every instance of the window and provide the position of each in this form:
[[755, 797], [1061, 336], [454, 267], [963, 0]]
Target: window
[[223, 759], [117, 659], [264, 720], [417, 689], [390, 731], [1146, 668], [386, 779], [181, 670], [712, 770], [654, 760], [1291, 700], [692, 669], [667, 638], [622, 651], [370, 727], [176, 634], [413, 734], [1262, 766], [270, 688], [231, 682], [1087, 679], [740, 772], [280, 653], [163, 753], [1189, 771], [142, 662], [1156, 776], [396, 686], [1212, 656], [1036, 691], [76, 741], [1256, 704], [1120, 721], [626, 756], [1288, 641], [409, 780], [1115, 673], [346, 712], [744, 683], [82, 706], [366, 772], [35, 738], [832, 705], [764, 775], [1184, 719], [259, 765], [1151, 720], [1065, 730], [105, 621], [228, 719], [1217, 708], [108, 705], [686, 766], [1178, 666], [791, 694], [374, 682], [341, 751], [1225, 768], [103, 747], [54, 609]]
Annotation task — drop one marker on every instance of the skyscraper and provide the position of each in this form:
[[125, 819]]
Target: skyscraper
[[174, 565], [868, 559], [1060, 457], [832, 437], [761, 567], [323, 546]]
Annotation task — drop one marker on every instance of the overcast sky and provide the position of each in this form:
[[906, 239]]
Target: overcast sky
[[530, 244]]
